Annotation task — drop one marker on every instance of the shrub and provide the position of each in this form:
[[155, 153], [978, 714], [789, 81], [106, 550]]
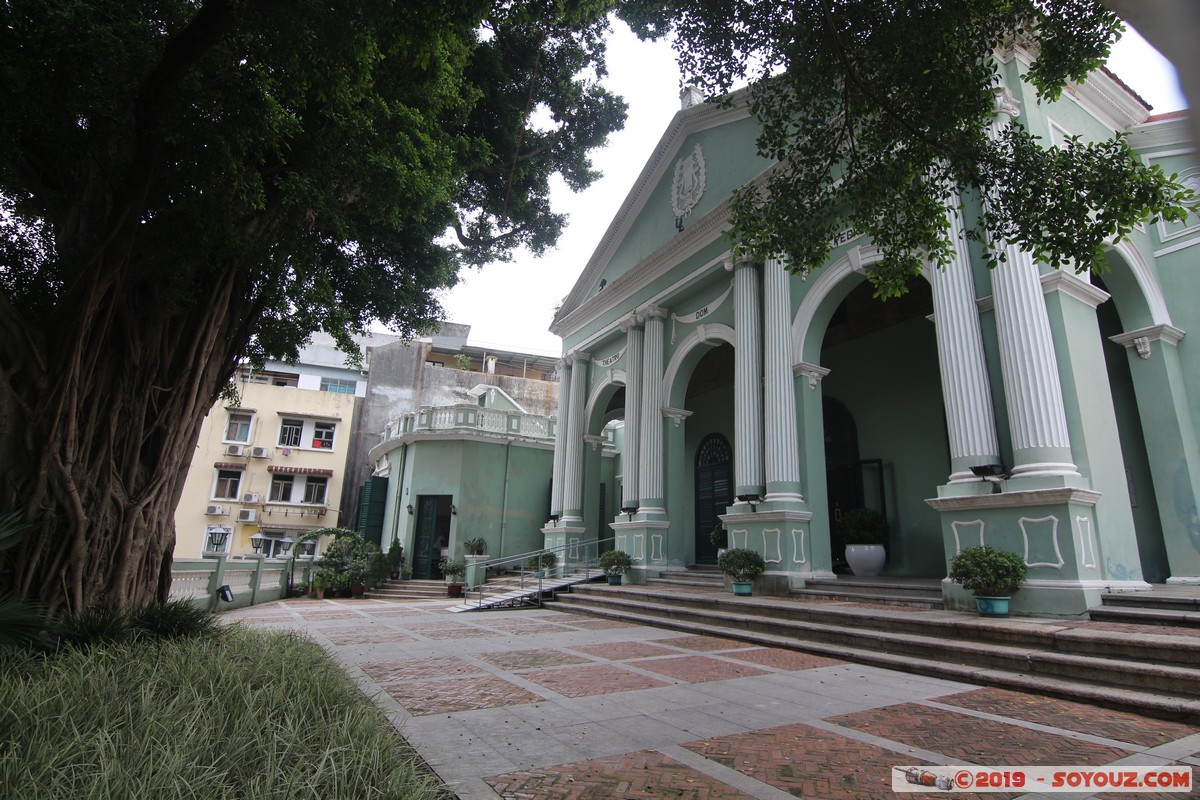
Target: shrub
[[862, 526], [475, 547], [615, 562], [452, 568], [719, 536], [93, 627], [173, 619], [988, 572], [741, 565]]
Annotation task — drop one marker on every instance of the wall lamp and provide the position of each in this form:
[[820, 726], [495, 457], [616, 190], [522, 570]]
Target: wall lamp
[[991, 473], [630, 511], [453, 510], [752, 499], [410, 508]]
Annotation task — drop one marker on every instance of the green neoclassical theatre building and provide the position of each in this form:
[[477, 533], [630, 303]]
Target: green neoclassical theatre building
[[718, 378]]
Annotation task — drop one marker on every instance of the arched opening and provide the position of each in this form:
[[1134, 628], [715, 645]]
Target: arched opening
[[884, 422], [707, 446]]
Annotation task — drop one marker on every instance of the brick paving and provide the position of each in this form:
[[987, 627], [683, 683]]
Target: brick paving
[[623, 651], [414, 669], [1120, 726], [643, 776], [976, 740], [517, 660], [462, 694], [586, 681], [778, 658], [706, 643], [540, 704]]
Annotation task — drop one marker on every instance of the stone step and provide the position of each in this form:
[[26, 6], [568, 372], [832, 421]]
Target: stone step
[[911, 601], [1163, 704], [924, 590], [1147, 616], [1163, 600], [717, 585]]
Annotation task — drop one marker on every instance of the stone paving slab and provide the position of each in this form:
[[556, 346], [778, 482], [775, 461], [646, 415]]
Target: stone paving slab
[[606, 709]]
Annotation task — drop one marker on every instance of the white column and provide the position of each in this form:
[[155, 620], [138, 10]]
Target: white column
[[573, 459], [560, 437], [747, 381], [1036, 416], [633, 411], [970, 420], [782, 462], [650, 468]]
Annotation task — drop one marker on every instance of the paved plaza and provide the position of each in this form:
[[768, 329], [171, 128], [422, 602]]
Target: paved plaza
[[544, 704]]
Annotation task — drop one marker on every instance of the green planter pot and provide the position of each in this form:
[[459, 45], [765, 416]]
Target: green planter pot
[[614, 580], [741, 588], [992, 606]]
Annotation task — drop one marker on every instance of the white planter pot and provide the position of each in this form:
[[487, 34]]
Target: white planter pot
[[866, 560]]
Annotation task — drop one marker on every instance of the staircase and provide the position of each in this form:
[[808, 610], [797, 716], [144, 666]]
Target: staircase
[[409, 590], [1157, 672], [910, 592], [1177, 606], [696, 576]]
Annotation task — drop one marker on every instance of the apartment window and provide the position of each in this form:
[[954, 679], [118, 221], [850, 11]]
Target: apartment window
[[228, 482], [323, 435], [281, 488], [238, 427], [314, 490], [338, 386], [290, 432]]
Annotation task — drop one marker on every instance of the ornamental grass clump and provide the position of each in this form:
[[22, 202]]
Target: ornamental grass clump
[[988, 572], [248, 714]]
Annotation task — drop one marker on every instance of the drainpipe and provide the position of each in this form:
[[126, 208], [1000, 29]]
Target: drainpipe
[[504, 502]]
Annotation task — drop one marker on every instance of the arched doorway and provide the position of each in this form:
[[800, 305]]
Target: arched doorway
[[714, 491]]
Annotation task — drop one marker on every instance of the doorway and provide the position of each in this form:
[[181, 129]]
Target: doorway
[[431, 542], [714, 491]]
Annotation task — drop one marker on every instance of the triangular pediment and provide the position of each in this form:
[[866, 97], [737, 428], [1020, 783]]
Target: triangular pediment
[[706, 153]]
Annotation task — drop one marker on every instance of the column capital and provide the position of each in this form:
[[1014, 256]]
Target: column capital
[[651, 311], [577, 355], [744, 260], [1005, 106], [630, 320]]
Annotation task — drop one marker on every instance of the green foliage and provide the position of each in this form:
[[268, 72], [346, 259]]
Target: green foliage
[[462, 360], [174, 619], [349, 556], [741, 564], [381, 568], [22, 624], [615, 562], [719, 536], [879, 118], [95, 627], [862, 526], [395, 556], [988, 572], [475, 547], [452, 568], [223, 718]]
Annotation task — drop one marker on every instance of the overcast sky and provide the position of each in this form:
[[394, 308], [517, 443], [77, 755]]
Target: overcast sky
[[510, 306]]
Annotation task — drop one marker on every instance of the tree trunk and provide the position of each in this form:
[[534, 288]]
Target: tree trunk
[[100, 408]]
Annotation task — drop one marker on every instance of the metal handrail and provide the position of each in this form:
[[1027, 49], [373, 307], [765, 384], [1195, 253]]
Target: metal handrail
[[585, 563]]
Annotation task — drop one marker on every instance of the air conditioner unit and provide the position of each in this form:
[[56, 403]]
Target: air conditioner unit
[[260, 452], [247, 515], [251, 497], [235, 449], [215, 511]]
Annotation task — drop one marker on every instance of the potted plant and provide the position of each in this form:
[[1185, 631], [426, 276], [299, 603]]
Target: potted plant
[[323, 581], [993, 575], [742, 566], [395, 557], [453, 569], [719, 537], [380, 569], [475, 547], [864, 533], [615, 564]]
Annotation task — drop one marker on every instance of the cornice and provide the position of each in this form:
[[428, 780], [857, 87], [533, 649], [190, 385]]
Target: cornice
[[1031, 497], [1074, 286], [1154, 333], [1167, 132], [1109, 101]]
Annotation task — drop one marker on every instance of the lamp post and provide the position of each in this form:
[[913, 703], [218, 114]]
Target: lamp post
[[285, 544], [257, 541], [217, 536]]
